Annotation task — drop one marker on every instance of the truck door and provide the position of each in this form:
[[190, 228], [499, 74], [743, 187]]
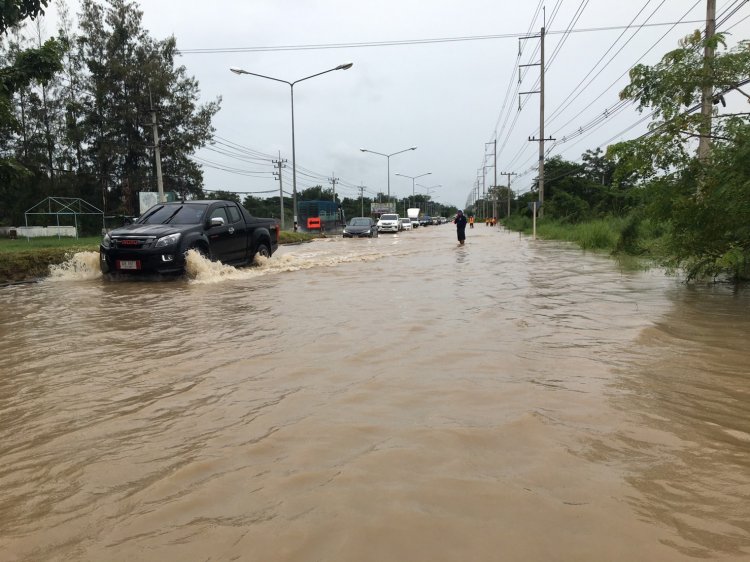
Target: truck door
[[241, 246], [223, 238]]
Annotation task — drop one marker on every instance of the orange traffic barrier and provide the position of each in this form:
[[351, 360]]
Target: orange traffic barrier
[[313, 223]]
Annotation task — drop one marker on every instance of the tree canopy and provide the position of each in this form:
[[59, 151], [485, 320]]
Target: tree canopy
[[76, 111], [703, 204]]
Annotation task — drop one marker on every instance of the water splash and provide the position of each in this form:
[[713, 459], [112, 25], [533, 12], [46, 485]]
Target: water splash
[[80, 266], [83, 266], [203, 271], [199, 269]]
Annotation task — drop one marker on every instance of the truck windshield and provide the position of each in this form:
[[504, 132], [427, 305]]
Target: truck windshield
[[174, 214], [389, 217]]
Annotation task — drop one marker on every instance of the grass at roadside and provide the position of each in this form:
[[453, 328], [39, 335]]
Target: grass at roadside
[[591, 235], [633, 243], [23, 259], [32, 244]]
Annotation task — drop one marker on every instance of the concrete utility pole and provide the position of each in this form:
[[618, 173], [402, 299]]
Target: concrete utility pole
[[509, 174], [704, 142], [494, 184], [157, 154], [484, 191], [280, 164], [541, 138], [362, 199], [332, 180]]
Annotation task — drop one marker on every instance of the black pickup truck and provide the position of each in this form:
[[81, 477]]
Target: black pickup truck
[[158, 241]]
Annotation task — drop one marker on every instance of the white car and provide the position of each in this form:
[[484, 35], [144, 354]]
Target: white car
[[405, 223], [388, 222]]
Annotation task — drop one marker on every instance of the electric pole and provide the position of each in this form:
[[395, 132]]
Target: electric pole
[[332, 180], [280, 164], [704, 142], [541, 138], [509, 174], [157, 153], [484, 191], [494, 184], [362, 199]]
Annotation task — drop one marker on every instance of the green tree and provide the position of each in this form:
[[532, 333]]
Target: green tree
[[315, 193], [703, 205], [221, 194], [21, 68], [129, 75], [13, 12]]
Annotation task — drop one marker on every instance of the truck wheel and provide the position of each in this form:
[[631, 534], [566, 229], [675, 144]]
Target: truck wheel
[[201, 249], [262, 250]]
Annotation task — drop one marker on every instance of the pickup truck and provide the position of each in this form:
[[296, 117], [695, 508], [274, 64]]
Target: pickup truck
[[159, 240]]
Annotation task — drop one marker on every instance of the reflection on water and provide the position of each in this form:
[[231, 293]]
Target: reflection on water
[[400, 398]]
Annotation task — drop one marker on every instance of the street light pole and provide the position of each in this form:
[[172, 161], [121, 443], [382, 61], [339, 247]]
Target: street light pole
[[345, 66], [413, 178], [388, 157]]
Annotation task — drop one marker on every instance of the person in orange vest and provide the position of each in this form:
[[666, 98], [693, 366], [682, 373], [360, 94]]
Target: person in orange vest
[[471, 221]]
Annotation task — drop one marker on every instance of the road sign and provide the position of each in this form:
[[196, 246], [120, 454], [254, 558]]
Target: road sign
[[533, 204]]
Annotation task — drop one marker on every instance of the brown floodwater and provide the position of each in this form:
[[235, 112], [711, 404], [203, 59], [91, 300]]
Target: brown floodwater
[[400, 398]]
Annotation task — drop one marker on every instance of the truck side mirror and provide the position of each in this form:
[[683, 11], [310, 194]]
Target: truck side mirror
[[217, 221]]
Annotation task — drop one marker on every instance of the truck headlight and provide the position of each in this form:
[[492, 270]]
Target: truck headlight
[[167, 240], [106, 241]]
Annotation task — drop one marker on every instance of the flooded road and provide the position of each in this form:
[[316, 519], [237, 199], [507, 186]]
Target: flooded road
[[399, 398]]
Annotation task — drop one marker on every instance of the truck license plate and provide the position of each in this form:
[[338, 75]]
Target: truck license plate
[[128, 264]]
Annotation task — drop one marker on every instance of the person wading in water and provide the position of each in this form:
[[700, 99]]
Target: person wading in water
[[460, 222]]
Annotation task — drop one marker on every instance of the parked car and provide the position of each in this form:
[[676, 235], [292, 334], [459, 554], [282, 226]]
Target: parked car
[[388, 223], [160, 239], [405, 223], [361, 227]]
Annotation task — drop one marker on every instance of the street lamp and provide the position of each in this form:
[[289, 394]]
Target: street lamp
[[412, 180], [388, 156], [345, 66]]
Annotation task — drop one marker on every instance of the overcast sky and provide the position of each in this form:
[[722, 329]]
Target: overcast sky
[[448, 97]]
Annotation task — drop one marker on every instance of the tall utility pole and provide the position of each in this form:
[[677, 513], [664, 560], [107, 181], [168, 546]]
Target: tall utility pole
[[362, 199], [332, 180], [704, 142], [494, 184], [541, 138], [484, 191], [280, 164], [157, 153], [509, 174]]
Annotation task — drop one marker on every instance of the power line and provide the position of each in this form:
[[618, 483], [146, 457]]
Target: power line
[[401, 42], [620, 105], [561, 107]]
